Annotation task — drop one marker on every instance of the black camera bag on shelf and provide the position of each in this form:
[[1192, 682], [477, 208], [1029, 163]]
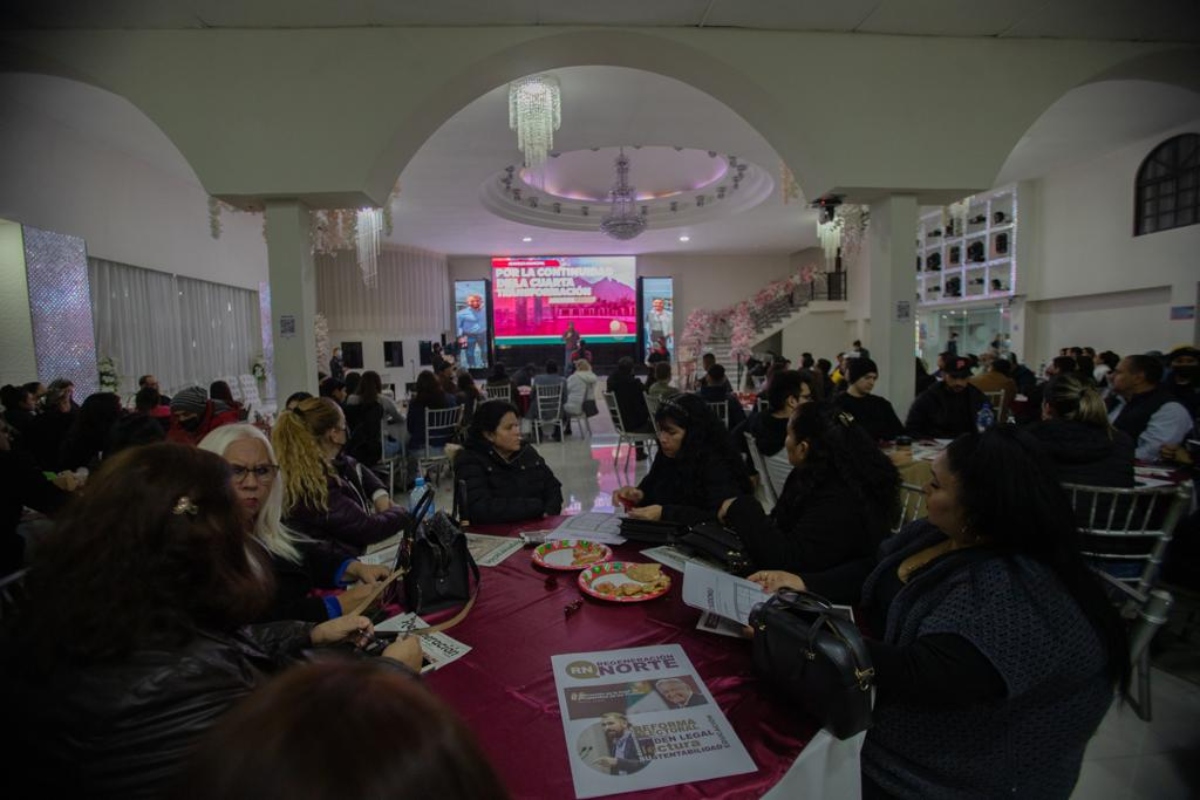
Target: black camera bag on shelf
[[816, 657]]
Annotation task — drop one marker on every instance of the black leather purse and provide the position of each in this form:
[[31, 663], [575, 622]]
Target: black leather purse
[[714, 541], [816, 657], [440, 567], [652, 532]]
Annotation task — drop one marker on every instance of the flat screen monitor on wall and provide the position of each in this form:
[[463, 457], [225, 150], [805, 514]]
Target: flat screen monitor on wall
[[537, 300], [657, 313], [472, 323]]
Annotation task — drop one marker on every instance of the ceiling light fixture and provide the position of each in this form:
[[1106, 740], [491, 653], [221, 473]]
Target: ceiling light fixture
[[623, 221], [526, 238], [685, 238], [535, 113]]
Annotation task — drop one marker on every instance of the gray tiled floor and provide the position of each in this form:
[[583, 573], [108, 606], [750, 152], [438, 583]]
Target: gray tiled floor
[[1128, 759]]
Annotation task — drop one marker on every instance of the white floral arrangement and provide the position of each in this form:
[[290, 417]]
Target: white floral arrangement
[[259, 369], [110, 381]]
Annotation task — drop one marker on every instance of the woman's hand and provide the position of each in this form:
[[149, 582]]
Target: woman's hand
[[772, 580], [67, 481], [340, 630], [1175, 452], [627, 496], [354, 596], [651, 513], [406, 651], [383, 503], [724, 509], [367, 573]]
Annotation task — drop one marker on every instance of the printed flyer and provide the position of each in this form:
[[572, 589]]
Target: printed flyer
[[642, 718]]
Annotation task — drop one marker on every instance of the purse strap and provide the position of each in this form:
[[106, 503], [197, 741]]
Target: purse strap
[[462, 612]]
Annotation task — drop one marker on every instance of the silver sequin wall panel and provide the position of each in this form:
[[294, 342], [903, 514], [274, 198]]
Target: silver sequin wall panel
[[64, 340]]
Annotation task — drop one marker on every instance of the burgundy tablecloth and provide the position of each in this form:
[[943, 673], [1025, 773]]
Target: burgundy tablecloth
[[505, 689]]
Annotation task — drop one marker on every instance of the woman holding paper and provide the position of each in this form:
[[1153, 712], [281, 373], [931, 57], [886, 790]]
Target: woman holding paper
[[837, 504], [504, 479], [296, 567], [999, 649]]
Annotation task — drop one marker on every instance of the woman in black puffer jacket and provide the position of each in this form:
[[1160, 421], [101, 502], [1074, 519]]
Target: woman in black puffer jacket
[[1075, 434]]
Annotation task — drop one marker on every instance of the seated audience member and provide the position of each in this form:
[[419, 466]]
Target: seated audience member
[[924, 379], [87, 439], [499, 377], [662, 389], [1059, 365], [468, 396], [335, 389], [789, 390], [408, 742], [193, 416], [806, 361], [162, 646], [581, 351], [837, 505], [19, 407], [448, 377], [329, 497], [706, 363], [997, 378], [219, 390], [1184, 378], [986, 611], [134, 430], [295, 398], [695, 470], [659, 354], [429, 394], [548, 383], [367, 414], [46, 432], [581, 392], [718, 390], [948, 408], [1077, 436], [25, 485], [149, 402], [1106, 362], [524, 376], [869, 410], [151, 382], [505, 479], [1086, 366], [60, 386], [1145, 409], [352, 380], [258, 487], [629, 393]]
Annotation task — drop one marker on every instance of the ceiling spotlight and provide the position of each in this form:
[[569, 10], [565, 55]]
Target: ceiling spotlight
[[685, 238], [526, 238]]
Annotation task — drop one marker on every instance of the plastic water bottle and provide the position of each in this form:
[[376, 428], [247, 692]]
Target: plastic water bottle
[[985, 418], [414, 497]]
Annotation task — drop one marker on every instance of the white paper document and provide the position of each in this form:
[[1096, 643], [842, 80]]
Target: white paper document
[[712, 623], [594, 526], [489, 551], [385, 557], [438, 648], [721, 593], [673, 557], [642, 718]]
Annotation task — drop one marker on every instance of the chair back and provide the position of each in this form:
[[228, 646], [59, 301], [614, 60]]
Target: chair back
[[614, 412], [549, 401], [440, 425], [721, 410], [653, 403], [1144, 613], [760, 466], [911, 504], [1126, 531], [501, 391]]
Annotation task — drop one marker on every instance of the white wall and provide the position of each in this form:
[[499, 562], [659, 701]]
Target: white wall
[[18, 363], [1090, 280], [820, 330]]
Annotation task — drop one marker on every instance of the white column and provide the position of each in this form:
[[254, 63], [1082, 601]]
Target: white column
[[293, 297], [891, 244]]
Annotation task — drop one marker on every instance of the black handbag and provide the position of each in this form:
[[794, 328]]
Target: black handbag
[[440, 567], [652, 532], [714, 541], [816, 657]]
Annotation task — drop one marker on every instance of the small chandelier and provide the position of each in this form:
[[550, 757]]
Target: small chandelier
[[623, 222], [535, 113]]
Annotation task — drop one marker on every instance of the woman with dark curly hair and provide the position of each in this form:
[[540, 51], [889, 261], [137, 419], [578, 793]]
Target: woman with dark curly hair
[[135, 638], [88, 435], [696, 468], [838, 501]]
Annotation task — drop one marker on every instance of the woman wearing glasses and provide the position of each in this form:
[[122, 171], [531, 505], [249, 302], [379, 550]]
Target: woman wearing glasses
[[696, 468], [297, 568], [329, 497]]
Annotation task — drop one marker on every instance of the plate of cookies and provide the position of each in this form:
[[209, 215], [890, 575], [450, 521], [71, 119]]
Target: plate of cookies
[[624, 581], [570, 554]]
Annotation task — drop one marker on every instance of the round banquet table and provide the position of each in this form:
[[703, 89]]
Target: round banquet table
[[504, 688]]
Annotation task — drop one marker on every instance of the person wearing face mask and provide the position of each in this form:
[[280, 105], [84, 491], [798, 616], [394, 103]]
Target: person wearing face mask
[[327, 496], [948, 408], [695, 470], [505, 479], [193, 415], [297, 570], [1184, 378], [871, 411]]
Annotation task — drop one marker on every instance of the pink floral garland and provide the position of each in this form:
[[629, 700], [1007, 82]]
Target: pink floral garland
[[701, 322]]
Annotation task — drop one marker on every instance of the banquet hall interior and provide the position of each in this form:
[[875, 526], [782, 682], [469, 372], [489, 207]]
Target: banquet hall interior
[[205, 190]]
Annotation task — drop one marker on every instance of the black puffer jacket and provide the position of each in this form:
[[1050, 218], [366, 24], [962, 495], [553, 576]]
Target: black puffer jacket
[[125, 729], [506, 491], [1086, 454]]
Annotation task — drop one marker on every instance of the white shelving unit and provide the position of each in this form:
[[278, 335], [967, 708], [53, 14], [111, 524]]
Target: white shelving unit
[[978, 263]]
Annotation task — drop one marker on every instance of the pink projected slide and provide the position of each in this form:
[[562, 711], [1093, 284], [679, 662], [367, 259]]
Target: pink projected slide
[[537, 300]]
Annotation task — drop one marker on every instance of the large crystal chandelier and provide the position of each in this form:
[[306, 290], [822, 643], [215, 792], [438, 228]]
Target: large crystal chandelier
[[369, 233], [535, 113], [624, 221]]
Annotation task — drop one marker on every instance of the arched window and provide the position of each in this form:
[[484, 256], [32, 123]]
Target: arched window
[[1167, 185]]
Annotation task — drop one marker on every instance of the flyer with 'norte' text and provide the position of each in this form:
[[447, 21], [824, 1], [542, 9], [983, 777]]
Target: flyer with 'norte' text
[[642, 718]]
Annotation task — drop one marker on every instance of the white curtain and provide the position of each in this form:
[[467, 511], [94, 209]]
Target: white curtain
[[185, 332], [412, 294]]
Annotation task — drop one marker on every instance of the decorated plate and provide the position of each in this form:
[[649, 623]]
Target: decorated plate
[[570, 554], [624, 581]]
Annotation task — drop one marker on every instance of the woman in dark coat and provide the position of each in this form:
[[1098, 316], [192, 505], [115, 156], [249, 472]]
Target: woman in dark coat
[[1076, 435], [504, 479]]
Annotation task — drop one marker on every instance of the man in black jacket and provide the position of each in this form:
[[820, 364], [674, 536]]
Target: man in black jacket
[[1145, 409], [948, 408]]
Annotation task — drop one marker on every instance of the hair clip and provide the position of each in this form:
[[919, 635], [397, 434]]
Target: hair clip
[[845, 417], [184, 505]]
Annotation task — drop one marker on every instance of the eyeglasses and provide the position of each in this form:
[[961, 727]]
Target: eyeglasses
[[265, 473]]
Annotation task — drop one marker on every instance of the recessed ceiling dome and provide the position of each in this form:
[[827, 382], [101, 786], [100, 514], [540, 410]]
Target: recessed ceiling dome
[[655, 171]]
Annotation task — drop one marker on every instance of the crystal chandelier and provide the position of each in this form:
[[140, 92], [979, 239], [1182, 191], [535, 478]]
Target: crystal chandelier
[[535, 113], [369, 231], [624, 221], [829, 233]]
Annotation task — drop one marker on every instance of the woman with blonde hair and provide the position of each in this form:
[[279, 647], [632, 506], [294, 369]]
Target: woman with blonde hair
[[1075, 433], [298, 568], [327, 496]]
